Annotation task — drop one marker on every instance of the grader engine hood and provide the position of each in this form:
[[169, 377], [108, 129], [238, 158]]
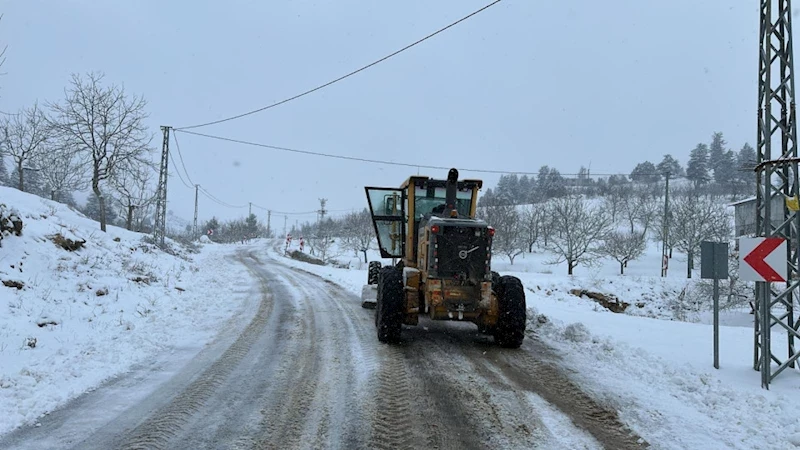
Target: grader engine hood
[[459, 250]]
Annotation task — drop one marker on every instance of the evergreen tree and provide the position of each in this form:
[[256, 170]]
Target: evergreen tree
[[645, 172], [92, 209], [3, 172], [697, 167], [717, 159], [251, 226], [586, 184], [524, 189], [550, 183], [746, 160], [67, 198], [507, 189], [33, 182], [212, 225], [671, 165], [726, 174], [487, 198]]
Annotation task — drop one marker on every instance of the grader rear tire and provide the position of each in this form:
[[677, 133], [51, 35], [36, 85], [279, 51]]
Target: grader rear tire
[[389, 310], [374, 269], [510, 330]]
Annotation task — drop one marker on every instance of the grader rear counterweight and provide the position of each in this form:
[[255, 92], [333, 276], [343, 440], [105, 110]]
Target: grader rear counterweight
[[444, 269]]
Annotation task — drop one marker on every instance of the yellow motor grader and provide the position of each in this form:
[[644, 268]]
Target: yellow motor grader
[[444, 268]]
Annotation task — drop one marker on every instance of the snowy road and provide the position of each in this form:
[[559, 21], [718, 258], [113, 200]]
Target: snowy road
[[307, 372]]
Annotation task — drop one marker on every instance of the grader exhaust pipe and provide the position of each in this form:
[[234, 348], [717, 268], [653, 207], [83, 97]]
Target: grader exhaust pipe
[[450, 196]]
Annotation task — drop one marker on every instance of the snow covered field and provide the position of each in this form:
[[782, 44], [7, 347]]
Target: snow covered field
[[83, 317], [657, 372]]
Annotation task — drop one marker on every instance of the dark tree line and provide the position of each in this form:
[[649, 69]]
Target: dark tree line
[[712, 169]]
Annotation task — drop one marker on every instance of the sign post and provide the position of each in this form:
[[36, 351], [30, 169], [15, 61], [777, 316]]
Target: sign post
[[714, 265]]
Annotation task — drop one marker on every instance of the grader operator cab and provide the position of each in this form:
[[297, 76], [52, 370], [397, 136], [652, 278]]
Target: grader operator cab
[[444, 269]]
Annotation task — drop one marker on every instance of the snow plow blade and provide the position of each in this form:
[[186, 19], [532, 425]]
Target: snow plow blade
[[369, 296]]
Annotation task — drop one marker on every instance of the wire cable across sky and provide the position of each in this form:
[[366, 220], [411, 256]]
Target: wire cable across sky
[[322, 86], [378, 161]]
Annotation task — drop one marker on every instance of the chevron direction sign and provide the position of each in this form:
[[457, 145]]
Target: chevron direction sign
[[762, 259]]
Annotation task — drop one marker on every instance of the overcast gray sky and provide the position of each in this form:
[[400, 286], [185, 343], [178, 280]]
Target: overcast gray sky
[[525, 83]]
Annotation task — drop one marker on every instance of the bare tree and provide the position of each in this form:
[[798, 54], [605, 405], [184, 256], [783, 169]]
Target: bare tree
[[615, 200], [697, 219], [22, 137], [107, 124], [3, 52], [357, 232], [581, 231], [62, 169], [532, 221], [639, 208], [323, 240], [134, 191], [505, 219], [623, 247], [648, 213]]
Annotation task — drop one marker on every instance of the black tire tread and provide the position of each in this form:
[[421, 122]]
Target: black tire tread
[[389, 310], [510, 331], [373, 271]]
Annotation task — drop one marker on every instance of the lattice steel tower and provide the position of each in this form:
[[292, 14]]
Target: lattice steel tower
[[776, 176], [160, 225]]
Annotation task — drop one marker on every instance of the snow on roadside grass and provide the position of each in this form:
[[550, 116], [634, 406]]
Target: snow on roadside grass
[[656, 373], [89, 315], [674, 399]]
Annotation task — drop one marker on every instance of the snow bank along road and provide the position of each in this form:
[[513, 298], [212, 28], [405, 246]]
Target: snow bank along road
[[308, 372]]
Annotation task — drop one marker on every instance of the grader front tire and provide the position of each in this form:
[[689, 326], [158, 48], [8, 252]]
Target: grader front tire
[[389, 311]]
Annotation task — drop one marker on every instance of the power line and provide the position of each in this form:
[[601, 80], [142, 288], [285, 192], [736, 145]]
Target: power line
[[344, 76], [220, 202], [302, 213], [212, 197], [391, 163], [178, 171], [177, 146]]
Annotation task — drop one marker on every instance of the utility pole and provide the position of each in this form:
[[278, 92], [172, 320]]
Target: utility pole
[[665, 230], [160, 225], [322, 211], [196, 191], [250, 209], [269, 220], [776, 179], [320, 233], [285, 218]]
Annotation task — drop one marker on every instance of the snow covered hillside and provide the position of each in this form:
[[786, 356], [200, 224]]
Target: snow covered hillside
[[72, 319], [653, 363]]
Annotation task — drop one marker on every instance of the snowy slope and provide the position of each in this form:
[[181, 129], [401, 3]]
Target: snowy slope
[[85, 316], [655, 371]]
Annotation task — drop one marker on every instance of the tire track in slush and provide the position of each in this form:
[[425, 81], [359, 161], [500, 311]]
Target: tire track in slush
[[550, 383], [399, 404], [389, 410], [353, 328], [393, 418], [483, 412], [157, 430], [284, 419]]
